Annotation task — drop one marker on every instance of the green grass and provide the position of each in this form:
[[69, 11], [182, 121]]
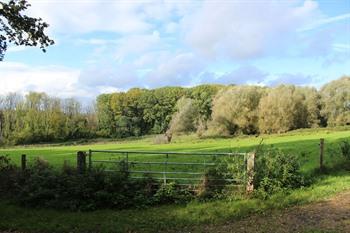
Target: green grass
[[300, 142], [177, 217], [163, 218]]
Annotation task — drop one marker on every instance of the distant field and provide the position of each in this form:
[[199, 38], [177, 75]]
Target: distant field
[[302, 142]]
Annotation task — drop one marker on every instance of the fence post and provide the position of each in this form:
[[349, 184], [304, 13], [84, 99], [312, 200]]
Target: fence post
[[90, 160], [321, 153], [81, 161], [23, 162], [127, 162], [165, 169], [250, 172]]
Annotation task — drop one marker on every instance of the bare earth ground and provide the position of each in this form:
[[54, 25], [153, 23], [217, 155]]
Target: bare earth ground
[[332, 215]]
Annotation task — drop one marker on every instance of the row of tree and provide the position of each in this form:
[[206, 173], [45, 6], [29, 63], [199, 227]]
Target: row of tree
[[40, 118], [142, 111], [255, 109], [205, 109]]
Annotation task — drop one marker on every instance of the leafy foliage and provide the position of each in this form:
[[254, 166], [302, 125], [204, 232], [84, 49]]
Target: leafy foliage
[[40, 118], [276, 171], [42, 186], [336, 102], [235, 109], [210, 110], [186, 117], [345, 149], [17, 28]]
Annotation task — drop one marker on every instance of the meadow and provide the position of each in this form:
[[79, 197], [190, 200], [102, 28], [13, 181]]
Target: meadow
[[196, 214], [304, 143]]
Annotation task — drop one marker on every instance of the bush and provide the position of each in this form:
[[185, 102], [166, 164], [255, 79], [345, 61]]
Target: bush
[[345, 149], [42, 186], [95, 189], [215, 181], [9, 176], [160, 139], [276, 171], [172, 193]]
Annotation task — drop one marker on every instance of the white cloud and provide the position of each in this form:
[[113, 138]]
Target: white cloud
[[182, 69], [287, 78], [111, 76], [246, 74], [342, 47], [124, 17], [171, 27], [325, 21], [96, 41], [244, 29], [21, 78], [74, 17], [158, 43], [137, 44]]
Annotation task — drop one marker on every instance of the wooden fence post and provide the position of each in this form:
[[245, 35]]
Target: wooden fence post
[[81, 161], [90, 160], [23, 162], [321, 153], [250, 172]]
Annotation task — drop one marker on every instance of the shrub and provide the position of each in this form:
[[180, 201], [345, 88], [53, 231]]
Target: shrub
[[95, 189], [8, 175], [172, 193], [160, 139], [345, 149], [215, 180], [276, 171], [42, 186]]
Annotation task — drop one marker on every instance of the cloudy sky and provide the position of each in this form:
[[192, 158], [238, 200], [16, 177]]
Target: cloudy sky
[[105, 45]]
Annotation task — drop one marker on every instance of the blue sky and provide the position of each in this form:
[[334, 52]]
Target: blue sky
[[104, 45]]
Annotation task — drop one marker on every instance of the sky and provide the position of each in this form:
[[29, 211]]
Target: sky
[[104, 46]]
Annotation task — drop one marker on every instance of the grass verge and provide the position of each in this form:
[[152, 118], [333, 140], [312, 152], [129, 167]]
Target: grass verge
[[164, 218]]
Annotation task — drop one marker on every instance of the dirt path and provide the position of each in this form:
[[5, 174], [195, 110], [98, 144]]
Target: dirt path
[[332, 215]]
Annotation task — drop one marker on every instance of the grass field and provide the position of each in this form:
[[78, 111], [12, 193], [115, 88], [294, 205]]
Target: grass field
[[304, 143]]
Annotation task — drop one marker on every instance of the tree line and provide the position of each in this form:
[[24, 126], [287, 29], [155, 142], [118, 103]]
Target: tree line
[[208, 110], [38, 117]]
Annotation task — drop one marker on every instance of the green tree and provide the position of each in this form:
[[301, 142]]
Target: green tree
[[312, 103], [105, 119], [203, 96], [235, 109], [19, 29], [282, 109], [336, 102], [185, 119]]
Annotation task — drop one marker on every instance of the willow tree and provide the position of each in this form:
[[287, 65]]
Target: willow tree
[[185, 118], [235, 110], [282, 109], [336, 102]]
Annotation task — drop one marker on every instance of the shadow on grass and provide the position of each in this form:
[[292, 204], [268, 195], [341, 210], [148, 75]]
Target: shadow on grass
[[165, 218]]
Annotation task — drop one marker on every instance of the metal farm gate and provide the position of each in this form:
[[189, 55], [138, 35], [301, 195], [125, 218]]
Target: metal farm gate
[[184, 168]]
